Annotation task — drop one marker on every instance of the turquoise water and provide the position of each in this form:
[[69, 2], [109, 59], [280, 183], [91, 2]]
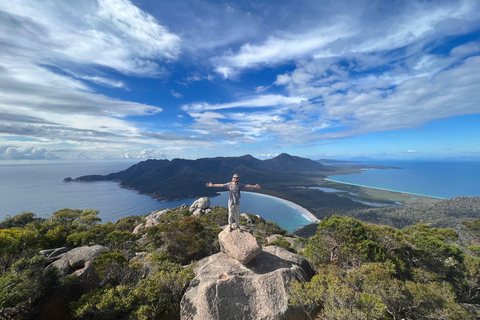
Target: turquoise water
[[39, 189], [442, 179]]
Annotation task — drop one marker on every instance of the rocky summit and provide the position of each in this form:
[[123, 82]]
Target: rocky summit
[[244, 282], [223, 288]]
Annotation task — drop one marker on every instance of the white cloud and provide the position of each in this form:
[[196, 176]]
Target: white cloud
[[276, 50], [106, 82], [260, 101], [382, 106], [281, 123], [110, 33], [52, 52], [261, 89], [358, 69], [26, 153], [145, 154], [176, 94], [408, 26], [340, 106], [282, 79], [29, 90]]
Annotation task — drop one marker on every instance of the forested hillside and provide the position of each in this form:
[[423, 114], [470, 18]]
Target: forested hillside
[[443, 213], [440, 214], [180, 178]]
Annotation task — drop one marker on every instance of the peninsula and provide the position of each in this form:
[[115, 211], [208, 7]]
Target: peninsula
[[288, 177]]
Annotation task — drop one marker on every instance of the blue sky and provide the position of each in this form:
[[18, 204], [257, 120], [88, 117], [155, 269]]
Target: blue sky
[[119, 79]]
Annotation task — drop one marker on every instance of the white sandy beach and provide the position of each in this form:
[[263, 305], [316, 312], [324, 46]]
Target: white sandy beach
[[300, 209]]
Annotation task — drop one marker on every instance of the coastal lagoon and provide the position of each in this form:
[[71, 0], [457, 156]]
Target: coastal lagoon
[[39, 188]]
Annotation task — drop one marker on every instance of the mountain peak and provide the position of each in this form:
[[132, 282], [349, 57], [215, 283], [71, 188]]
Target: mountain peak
[[284, 156]]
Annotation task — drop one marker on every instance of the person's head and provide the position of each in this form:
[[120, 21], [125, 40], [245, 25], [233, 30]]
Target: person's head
[[235, 178]]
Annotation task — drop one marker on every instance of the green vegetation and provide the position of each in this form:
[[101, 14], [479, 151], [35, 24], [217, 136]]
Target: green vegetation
[[371, 272], [156, 297], [453, 213], [142, 276], [442, 213], [364, 271]]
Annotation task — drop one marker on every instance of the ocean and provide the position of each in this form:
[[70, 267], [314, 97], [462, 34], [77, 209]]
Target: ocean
[[441, 179], [39, 188]]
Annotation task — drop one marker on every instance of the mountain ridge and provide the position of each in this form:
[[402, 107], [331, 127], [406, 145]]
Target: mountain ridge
[[178, 179]]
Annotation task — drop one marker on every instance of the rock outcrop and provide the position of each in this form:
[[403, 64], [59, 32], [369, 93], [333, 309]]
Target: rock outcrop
[[275, 237], [239, 244], [53, 254], [157, 214], [224, 288], [151, 220], [138, 228], [199, 206], [78, 261]]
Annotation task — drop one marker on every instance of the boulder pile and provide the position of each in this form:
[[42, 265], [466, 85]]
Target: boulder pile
[[151, 220], [200, 206], [244, 282]]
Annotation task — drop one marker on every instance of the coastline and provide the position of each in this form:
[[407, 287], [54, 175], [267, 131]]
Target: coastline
[[383, 189], [304, 212]]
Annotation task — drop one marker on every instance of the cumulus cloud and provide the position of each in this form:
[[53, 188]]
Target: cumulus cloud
[[326, 102], [26, 153], [409, 99], [145, 154]]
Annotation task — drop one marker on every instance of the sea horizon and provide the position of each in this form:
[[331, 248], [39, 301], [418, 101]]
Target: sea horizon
[[39, 188], [443, 179]]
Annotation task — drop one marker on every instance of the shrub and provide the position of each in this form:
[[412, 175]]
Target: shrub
[[156, 297]]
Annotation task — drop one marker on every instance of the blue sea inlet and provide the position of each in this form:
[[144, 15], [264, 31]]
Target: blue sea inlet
[[435, 178], [39, 189]]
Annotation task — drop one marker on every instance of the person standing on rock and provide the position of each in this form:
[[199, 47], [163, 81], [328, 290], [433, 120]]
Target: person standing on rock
[[233, 188]]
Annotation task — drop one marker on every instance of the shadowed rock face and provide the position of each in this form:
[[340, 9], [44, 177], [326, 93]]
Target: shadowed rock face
[[223, 288], [79, 262]]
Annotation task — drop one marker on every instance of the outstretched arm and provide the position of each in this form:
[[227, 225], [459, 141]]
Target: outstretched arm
[[217, 185], [257, 186]]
